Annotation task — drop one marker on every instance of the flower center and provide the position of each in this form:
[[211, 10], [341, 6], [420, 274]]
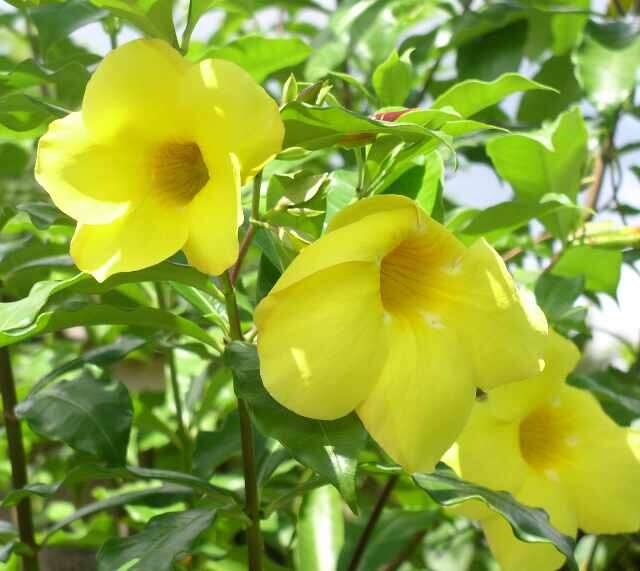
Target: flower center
[[415, 273], [547, 439], [178, 172]]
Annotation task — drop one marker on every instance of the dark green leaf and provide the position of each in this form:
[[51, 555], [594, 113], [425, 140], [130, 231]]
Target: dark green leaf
[[528, 523], [20, 112], [214, 448], [330, 448], [89, 415], [159, 544], [13, 160]]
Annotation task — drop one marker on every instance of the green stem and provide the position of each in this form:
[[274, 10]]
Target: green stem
[[252, 501], [18, 460], [371, 523], [183, 433], [188, 30], [360, 164], [234, 272]]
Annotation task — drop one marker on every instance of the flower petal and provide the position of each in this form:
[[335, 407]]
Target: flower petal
[[516, 555], [367, 240], [504, 332], [94, 183], [517, 400], [322, 341], [144, 237], [423, 398], [212, 246], [372, 205], [602, 476], [135, 91], [489, 451], [232, 113]]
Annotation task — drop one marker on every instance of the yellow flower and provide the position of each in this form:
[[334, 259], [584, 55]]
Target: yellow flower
[[154, 161], [390, 315], [553, 447]]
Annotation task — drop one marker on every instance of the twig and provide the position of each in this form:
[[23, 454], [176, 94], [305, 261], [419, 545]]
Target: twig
[[18, 460], [371, 523]]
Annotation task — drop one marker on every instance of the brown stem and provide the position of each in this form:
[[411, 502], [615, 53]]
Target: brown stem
[[18, 460], [371, 523]]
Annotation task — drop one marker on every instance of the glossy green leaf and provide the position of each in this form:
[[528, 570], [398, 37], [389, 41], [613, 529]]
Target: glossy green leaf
[[538, 106], [314, 127], [471, 96], [330, 448], [89, 415], [320, 530], [158, 545], [557, 295], [392, 79], [262, 56], [529, 524], [599, 267], [608, 62], [214, 448], [20, 112]]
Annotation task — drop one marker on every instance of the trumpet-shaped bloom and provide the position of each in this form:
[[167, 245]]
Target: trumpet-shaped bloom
[[553, 447], [154, 161], [390, 315]]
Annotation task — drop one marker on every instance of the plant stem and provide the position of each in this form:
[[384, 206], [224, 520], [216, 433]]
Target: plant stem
[[183, 433], [252, 501], [234, 272], [17, 459], [371, 523]]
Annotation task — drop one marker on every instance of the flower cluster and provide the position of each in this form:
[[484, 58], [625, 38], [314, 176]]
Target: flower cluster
[[388, 314]]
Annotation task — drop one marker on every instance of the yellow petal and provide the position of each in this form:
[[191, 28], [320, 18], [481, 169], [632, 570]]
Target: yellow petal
[[212, 246], [373, 205], [517, 400], [423, 397], [134, 92], [144, 237], [489, 452], [93, 183], [516, 555], [232, 113], [602, 474], [367, 240], [322, 341], [504, 332]]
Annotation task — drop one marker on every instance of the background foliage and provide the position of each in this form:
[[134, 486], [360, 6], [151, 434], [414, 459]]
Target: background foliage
[[111, 470]]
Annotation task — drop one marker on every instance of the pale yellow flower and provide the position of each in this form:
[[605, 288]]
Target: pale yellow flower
[[154, 161], [390, 315], [553, 447]]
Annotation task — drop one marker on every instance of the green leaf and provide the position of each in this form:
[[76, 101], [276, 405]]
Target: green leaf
[[214, 448], [493, 54], [153, 17], [557, 295], [392, 79], [529, 524], [538, 106], [159, 544], [100, 356], [13, 160], [600, 267], [89, 415], [314, 127], [19, 112], [608, 62], [29, 74], [56, 21], [422, 182], [260, 55], [549, 161], [514, 214], [320, 530], [471, 96], [330, 448]]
